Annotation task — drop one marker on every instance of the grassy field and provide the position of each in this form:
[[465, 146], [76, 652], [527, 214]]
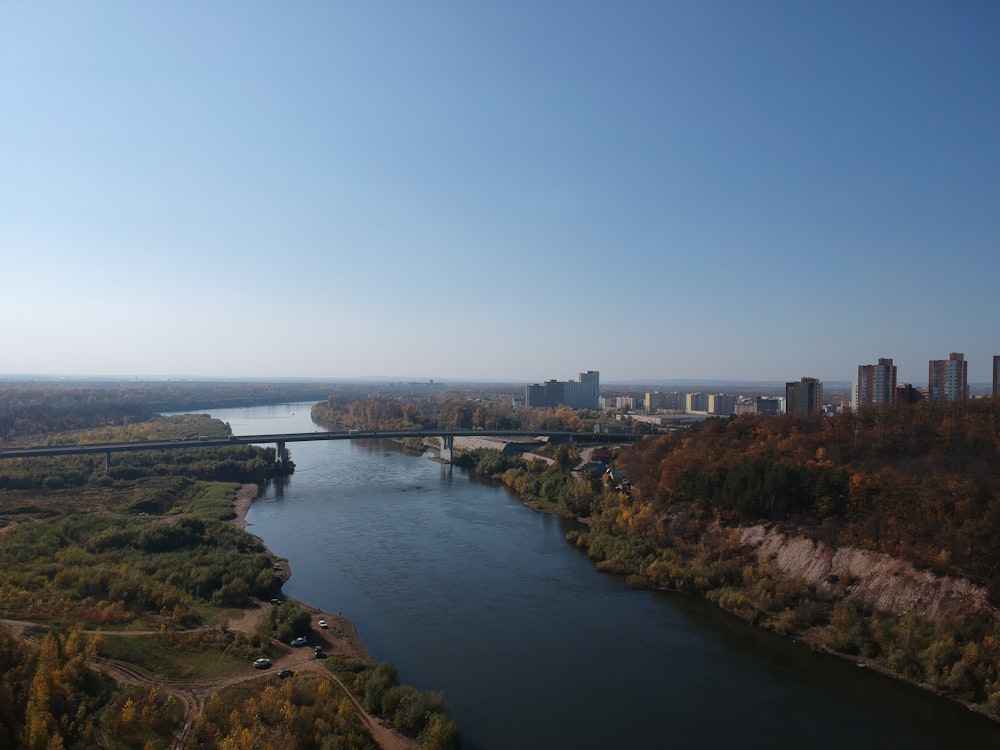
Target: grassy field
[[175, 658]]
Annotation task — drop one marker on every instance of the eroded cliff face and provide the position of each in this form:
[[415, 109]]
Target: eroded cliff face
[[880, 581]]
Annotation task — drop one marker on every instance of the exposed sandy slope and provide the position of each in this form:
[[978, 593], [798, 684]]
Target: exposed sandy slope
[[879, 580]]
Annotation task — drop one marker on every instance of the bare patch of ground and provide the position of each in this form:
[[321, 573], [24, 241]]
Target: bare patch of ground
[[881, 581]]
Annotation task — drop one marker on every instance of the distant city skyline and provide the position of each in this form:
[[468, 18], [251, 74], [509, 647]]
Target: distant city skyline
[[662, 191], [984, 384]]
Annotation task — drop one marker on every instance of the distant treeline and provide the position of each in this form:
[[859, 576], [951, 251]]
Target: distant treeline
[[227, 463], [446, 410], [30, 412], [32, 408]]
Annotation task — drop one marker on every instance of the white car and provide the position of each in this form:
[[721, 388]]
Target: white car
[[302, 641], [262, 663], [322, 624]]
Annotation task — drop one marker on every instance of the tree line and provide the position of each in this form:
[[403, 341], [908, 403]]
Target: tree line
[[443, 410], [29, 409], [228, 463]]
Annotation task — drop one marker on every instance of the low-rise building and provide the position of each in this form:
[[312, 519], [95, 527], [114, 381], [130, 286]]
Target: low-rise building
[[758, 405]]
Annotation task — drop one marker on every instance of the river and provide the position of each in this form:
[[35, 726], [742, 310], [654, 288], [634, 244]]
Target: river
[[470, 593]]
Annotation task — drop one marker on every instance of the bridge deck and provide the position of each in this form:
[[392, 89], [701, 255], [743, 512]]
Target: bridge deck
[[29, 451]]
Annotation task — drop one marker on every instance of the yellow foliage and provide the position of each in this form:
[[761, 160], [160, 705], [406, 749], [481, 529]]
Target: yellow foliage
[[970, 654], [238, 739], [128, 711], [345, 707]]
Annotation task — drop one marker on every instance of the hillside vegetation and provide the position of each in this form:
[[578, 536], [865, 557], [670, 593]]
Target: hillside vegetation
[[918, 482], [915, 483], [769, 517]]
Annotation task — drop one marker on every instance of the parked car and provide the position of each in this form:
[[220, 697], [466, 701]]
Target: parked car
[[262, 663], [322, 624], [285, 673], [300, 641]]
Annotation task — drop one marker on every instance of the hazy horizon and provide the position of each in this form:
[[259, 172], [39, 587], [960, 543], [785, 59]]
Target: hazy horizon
[[661, 191], [422, 380]]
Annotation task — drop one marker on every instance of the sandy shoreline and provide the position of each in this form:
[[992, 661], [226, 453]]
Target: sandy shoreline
[[341, 637], [241, 505]]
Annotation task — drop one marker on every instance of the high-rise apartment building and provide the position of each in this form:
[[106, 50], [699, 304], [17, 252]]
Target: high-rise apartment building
[[582, 394], [654, 400], [996, 374], [804, 397], [676, 401], [696, 402], [948, 379], [722, 404], [876, 384], [585, 392], [549, 393]]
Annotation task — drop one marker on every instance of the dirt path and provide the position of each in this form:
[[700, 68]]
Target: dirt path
[[585, 457], [193, 693], [340, 638]]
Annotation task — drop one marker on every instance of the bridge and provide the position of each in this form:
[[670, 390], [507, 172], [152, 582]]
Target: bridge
[[281, 440]]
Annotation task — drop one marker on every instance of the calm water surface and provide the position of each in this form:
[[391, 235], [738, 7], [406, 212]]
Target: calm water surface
[[468, 592]]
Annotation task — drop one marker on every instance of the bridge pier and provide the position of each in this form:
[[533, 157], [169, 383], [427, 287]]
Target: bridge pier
[[447, 448], [282, 455]]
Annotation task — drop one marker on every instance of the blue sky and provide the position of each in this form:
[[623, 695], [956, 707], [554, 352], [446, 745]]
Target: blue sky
[[499, 190]]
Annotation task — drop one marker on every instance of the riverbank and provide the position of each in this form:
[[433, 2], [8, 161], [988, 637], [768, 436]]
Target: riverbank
[[341, 637], [931, 631]]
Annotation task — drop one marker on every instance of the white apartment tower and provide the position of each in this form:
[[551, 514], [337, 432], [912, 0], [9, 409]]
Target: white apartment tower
[[582, 394]]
